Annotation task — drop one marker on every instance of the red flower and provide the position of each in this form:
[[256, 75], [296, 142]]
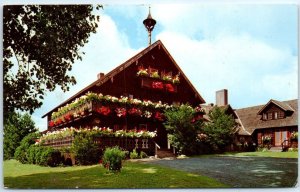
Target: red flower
[[135, 111], [68, 117], [51, 124], [159, 116], [58, 121], [170, 88], [121, 112], [157, 85], [103, 110]]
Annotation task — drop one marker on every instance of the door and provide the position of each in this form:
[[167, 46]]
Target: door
[[280, 136]]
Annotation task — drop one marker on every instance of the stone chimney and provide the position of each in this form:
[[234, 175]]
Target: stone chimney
[[222, 97], [100, 76]]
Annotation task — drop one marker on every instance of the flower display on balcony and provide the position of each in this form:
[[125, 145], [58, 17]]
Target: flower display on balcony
[[120, 111], [157, 85], [122, 106], [96, 132], [159, 116], [142, 72], [170, 88], [147, 114], [103, 110], [176, 79], [155, 75], [167, 78], [135, 111]]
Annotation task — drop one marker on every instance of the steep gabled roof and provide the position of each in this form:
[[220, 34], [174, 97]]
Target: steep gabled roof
[[123, 66], [282, 105], [251, 119]]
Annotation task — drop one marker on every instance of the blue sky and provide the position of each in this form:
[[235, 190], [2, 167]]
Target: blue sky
[[251, 50]]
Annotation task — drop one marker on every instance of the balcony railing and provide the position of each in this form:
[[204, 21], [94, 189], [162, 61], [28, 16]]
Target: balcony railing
[[103, 142]]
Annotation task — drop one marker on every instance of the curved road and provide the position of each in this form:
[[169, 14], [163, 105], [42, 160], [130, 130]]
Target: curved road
[[241, 172]]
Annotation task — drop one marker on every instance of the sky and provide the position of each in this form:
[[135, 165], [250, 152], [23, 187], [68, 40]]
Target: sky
[[249, 49]]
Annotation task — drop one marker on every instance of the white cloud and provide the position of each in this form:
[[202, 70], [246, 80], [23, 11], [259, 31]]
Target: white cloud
[[216, 47], [251, 70], [106, 49]]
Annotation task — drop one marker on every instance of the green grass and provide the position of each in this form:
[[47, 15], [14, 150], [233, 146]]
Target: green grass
[[133, 175], [266, 154], [254, 154]]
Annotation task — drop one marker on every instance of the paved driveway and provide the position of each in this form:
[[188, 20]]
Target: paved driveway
[[241, 171]]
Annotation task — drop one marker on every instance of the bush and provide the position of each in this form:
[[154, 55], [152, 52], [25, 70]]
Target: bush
[[143, 154], [134, 154], [32, 154], [112, 158], [16, 127], [85, 150], [293, 150], [21, 151], [50, 157]]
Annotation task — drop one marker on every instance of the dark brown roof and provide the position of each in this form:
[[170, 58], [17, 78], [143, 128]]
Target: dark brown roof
[[282, 105], [251, 120], [123, 66]]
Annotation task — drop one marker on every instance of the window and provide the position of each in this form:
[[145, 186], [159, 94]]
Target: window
[[270, 115], [264, 116], [275, 115], [280, 115]]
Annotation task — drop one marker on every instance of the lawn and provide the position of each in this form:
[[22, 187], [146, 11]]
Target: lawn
[[133, 175], [266, 154], [253, 154]]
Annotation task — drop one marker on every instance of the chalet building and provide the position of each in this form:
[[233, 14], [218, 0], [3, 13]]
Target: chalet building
[[276, 121], [151, 75], [126, 106]]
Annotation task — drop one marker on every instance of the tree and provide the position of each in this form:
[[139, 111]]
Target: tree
[[220, 130], [40, 44], [16, 127], [182, 129]]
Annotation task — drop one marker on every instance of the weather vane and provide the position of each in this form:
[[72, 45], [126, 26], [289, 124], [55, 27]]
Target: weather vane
[[149, 23]]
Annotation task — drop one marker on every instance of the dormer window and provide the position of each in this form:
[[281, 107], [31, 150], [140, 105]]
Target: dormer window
[[275, 110], [270, 115], [264, 116]]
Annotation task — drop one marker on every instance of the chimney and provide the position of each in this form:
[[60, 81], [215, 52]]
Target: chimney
[[222, 97], [100, 76]]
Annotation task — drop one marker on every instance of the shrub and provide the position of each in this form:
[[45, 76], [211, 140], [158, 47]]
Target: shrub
[[112, 158], [85, 150], [293, 150], [21, 151], [143, 154], [32, 154], [50, 157], [134, 154], [16, 127]]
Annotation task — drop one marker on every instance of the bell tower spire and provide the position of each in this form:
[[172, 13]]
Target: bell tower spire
[[149, 23]]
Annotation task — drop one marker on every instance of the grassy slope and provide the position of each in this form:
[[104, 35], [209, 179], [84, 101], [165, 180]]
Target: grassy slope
[[133, 175], [253, 154], [267, 154]]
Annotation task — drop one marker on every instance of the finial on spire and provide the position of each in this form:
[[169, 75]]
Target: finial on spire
[[149, 23]]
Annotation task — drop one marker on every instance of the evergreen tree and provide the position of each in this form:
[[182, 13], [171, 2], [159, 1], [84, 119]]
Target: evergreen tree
[[220, 129], [182, 129], [16, 127]]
